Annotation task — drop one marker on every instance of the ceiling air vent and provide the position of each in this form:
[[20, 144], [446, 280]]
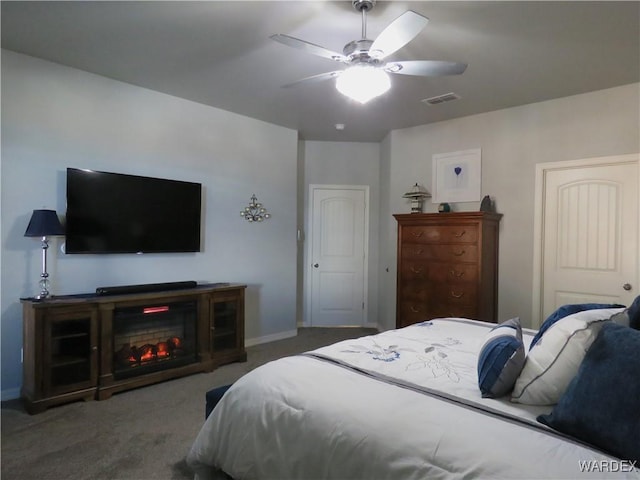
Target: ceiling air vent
[[447, 97]]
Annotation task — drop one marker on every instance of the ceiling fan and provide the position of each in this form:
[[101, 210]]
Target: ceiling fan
[[366, 75]]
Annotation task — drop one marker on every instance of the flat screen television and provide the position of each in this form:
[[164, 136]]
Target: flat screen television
[[119, 213]]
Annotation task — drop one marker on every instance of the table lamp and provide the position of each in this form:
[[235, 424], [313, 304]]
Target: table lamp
[[43, 224]]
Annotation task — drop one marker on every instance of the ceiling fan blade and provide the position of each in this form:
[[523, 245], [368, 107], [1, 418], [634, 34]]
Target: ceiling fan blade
[[426, 68], [314, 78], [399, 32], [307, 47]]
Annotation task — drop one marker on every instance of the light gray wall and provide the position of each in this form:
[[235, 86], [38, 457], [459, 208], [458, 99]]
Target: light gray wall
[[388, 243], [342, 163], [513, 141], [54, 117]]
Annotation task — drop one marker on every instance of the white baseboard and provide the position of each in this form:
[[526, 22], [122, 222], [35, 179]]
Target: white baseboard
[[10, 394], [250, 342]]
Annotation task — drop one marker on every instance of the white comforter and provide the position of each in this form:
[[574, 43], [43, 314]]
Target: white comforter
[[313, 417]]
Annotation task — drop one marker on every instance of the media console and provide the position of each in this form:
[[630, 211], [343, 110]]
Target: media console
[[90, 346]]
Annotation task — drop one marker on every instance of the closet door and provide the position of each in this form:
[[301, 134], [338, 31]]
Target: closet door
[[589, 234]]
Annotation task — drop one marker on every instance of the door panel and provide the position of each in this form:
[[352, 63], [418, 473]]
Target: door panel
[[337, 271], [590, 241]]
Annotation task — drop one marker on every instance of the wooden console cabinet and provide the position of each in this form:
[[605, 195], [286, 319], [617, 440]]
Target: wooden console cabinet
[[68, 342], [447, 266]]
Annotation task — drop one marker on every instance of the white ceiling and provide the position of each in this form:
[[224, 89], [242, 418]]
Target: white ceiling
[[219, 53]]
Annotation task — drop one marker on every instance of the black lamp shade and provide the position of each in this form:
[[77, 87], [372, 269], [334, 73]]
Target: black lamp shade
[[44, 223]]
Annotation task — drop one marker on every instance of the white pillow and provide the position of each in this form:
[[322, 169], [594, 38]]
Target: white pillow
[[553, 362]]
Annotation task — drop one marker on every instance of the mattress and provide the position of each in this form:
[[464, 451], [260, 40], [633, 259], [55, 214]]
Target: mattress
[[402, 404]]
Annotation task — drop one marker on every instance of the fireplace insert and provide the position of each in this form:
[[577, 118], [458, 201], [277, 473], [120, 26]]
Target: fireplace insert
[[155, 337]]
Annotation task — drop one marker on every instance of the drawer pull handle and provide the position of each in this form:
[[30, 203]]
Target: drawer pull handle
[[457, 295], [458, 254], [458, 235], [414, 309], [418, 234], [419, 251], [416, 270], [456, 274]]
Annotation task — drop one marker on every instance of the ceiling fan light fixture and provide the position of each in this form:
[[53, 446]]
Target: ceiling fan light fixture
[[363, 82]]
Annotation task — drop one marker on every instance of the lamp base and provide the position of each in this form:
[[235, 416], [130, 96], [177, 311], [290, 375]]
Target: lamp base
[[44, 284]]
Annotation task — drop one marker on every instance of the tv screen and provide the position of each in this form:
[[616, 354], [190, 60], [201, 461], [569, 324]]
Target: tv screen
[[118, 213]]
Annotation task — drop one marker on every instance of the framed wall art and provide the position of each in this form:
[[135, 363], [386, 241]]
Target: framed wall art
[[457, 176]]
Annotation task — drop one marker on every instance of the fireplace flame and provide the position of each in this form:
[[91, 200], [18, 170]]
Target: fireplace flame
[[132, 356], [162, 350], [147, 352]]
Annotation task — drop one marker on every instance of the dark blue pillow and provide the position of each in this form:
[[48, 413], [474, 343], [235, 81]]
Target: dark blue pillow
[[501, 359], [214, 396], [634, 314], [600, 406], [567, 310]]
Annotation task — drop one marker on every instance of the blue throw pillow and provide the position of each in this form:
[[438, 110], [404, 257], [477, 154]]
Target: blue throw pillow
[[213, 397], [501, 359], [600, 406], [566, 310], [634, 314]]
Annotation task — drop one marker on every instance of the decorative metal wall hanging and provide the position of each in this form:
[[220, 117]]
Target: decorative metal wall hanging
[[255, 212]]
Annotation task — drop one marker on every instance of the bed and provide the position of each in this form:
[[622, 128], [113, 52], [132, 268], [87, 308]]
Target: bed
[[407, 404]]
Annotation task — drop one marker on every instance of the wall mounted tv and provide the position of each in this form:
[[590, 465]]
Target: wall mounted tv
[[118, 213]]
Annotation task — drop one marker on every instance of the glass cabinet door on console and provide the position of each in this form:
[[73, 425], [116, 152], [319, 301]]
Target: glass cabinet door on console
[[227, 324], [60, 353], [69, 350]]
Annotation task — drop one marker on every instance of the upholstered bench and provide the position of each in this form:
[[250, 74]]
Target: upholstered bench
[[213, 396]]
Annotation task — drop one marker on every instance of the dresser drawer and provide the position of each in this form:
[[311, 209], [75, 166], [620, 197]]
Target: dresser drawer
[[440, 252], [415, 291], [416, 251], [440, 234], [435, 272], [412, 312], [456, 294], [453, 273], [443, 311], [413, 270]]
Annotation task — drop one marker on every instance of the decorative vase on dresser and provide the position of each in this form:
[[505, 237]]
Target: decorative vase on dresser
[[447, 266]]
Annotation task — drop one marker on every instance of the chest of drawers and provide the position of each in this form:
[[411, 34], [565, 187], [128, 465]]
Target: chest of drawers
[[447, 266]]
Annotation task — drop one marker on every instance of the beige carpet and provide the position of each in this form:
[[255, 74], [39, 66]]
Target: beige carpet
[[136, 435]]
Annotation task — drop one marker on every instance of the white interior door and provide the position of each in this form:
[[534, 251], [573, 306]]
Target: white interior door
[[337, 258], [590, 234]]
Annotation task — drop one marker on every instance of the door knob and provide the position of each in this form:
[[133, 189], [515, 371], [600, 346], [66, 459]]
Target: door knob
[[627, 286], [316, 265]]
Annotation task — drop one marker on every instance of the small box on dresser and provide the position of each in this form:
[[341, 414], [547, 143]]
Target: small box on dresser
[[447, 266]]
